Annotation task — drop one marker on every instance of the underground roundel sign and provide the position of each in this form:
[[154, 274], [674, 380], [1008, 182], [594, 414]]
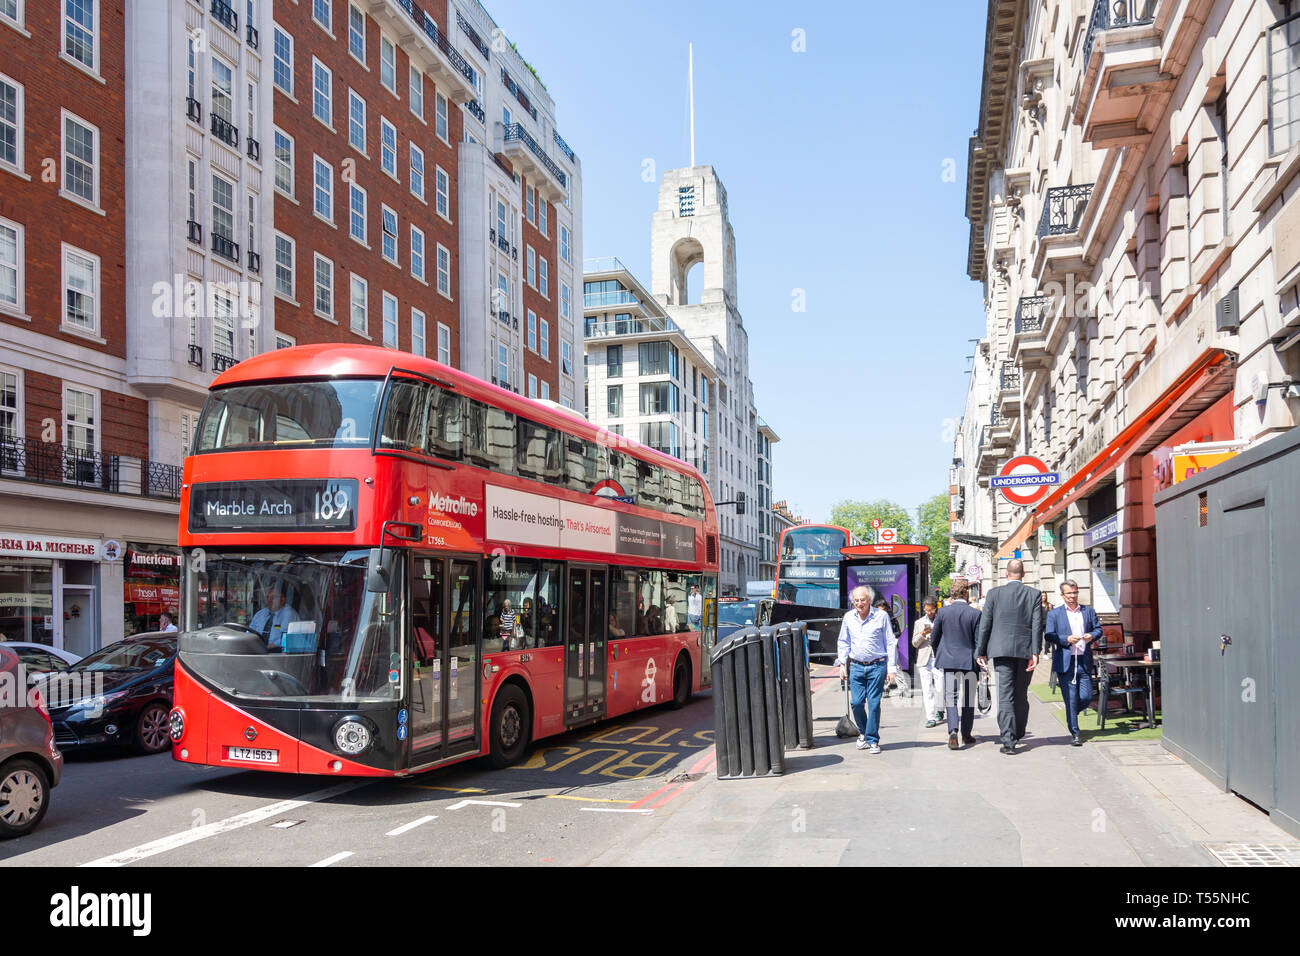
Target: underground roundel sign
[[1024, 480]]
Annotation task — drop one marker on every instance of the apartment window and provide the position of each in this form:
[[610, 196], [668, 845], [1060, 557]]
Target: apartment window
[[546, 391], [283, 163], [356, 121], [415, 82], [442, 188], [566, 253], [532, 385], [360, 305], [388, 225], [322, 92], [503, 364], [532, 330], [530, 205], [417, 253], [80, 291], [323, 189], [388, 147], [11, 266], [657, 358], [282, 61], [505, 116], [223, 326], [252, 107], [356, 33], [284, 266], [530, 275], [80, 39], [440, 115], [417, 172], [444, 344], [322, 12], [613, 361], [1284, 84], [282, 341], [564, 300], [80, 159], [191, 69], [11, 123], [390, 320], [324, 286], [566, 357], [444, 271], [11, 406], [545, 337], [503, 292], [614, 401], [223, 208], [502, 221], [542, 214], [544, 277], [387, 64], [417, 332], [12, 11], [79, 420], [357, 213], [223, 79]]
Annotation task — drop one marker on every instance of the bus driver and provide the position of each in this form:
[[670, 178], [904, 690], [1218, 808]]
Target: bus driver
[[272, 621]]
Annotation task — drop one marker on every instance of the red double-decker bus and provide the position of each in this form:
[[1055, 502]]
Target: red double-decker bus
[[390, 565]]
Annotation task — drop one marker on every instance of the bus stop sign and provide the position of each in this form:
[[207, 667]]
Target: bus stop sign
[[1024, 480]]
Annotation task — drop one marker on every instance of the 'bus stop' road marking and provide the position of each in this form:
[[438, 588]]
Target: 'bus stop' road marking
[[194, 834], [329, 860], [409, 826]]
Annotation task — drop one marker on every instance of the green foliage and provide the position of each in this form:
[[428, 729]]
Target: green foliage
[[857, 516], [935, 528], [944, 586]]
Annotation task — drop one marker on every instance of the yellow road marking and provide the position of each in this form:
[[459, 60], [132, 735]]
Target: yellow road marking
[[561, 796]]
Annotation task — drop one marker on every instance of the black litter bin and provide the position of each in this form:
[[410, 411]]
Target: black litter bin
[[747, 717], [791, 641]]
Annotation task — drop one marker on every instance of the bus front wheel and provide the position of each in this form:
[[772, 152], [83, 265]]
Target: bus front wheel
[[681, 683], [510, 727]]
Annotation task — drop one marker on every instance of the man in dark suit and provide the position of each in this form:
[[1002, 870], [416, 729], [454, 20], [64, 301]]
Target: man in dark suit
[[1011, 632], [1070, 631], [953, 641]]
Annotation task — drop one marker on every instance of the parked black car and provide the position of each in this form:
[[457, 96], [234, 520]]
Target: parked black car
[[120, 694], [30, 763]]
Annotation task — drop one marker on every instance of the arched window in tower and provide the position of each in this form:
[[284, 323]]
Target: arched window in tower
[[686, 255]]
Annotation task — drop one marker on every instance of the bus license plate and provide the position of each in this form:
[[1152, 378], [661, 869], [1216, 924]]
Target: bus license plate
[[252, 754]]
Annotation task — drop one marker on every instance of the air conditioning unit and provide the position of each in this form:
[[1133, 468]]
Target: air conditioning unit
[[1227, 314]]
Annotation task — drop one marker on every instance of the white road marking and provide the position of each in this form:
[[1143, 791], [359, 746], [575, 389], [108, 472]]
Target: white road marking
[[482, 803], [194, 834], [333, 859], [614, 810], [409, 826]]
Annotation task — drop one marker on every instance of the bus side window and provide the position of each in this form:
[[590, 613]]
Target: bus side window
[[403, 418], [446, 424]]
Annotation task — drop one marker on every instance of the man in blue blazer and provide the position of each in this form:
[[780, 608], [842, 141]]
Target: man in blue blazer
[[1070, 632]]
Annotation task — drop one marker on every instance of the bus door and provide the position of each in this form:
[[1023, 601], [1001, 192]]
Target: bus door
[[584, 644], [444, 685]]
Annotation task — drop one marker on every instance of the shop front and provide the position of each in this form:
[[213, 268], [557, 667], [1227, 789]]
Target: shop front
[[152, 586], [50, 589]]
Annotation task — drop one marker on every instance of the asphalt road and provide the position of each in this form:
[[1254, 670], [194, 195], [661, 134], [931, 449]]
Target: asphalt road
[[574, 797]]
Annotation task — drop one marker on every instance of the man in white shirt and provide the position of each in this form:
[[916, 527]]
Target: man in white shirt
[[868, 654], [695, 608], [1070, 632]]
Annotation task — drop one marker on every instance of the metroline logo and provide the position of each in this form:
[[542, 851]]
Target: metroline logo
[[455, 506]]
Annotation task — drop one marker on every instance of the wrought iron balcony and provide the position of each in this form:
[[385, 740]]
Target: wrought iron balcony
[[225, 15], [515, 132], [194, 109], [1111, 14], [997, 419], [254, 150], [1063, 208], [254, 262], [476, 111], [436, 36], [225, 131], [196, 232], [1009, 377], [564, 147], [502, 242], [28, 459], [225, 247], [504, 316], [1031, 313], [222, 362], [470, 32], [253, 39], [520, 95], [196, 356]]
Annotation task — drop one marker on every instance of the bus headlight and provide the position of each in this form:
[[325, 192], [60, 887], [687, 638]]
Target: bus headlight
[[176, 725], [353, 736]]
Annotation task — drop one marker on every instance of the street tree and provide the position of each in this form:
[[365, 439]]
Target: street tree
[[935, 529], [857, 516]]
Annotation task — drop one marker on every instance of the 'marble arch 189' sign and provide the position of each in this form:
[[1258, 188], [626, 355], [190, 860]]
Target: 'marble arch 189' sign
[[1024, 480]]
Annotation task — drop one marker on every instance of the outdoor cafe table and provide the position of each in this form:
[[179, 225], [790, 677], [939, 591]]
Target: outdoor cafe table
[[1149, 670]]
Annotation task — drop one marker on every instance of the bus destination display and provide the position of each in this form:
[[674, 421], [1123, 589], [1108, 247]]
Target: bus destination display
[[321, 504]]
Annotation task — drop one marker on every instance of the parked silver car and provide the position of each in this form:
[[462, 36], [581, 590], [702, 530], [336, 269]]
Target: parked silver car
[[30, 763]]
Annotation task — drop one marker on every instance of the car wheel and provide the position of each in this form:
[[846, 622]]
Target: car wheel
[[681, 684], [24, 798], [510, 727], [151, 735]]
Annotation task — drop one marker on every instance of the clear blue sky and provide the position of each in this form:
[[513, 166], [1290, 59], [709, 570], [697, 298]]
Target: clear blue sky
[[834, 162]]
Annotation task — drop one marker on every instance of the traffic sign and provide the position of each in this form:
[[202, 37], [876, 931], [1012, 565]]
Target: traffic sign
[[887, 536], [875, 522], [1024, 480]]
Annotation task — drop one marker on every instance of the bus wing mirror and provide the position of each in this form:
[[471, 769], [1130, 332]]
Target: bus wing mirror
[[378, 570]]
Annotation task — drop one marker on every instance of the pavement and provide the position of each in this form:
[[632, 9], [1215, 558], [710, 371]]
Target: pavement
[[918, 803]]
